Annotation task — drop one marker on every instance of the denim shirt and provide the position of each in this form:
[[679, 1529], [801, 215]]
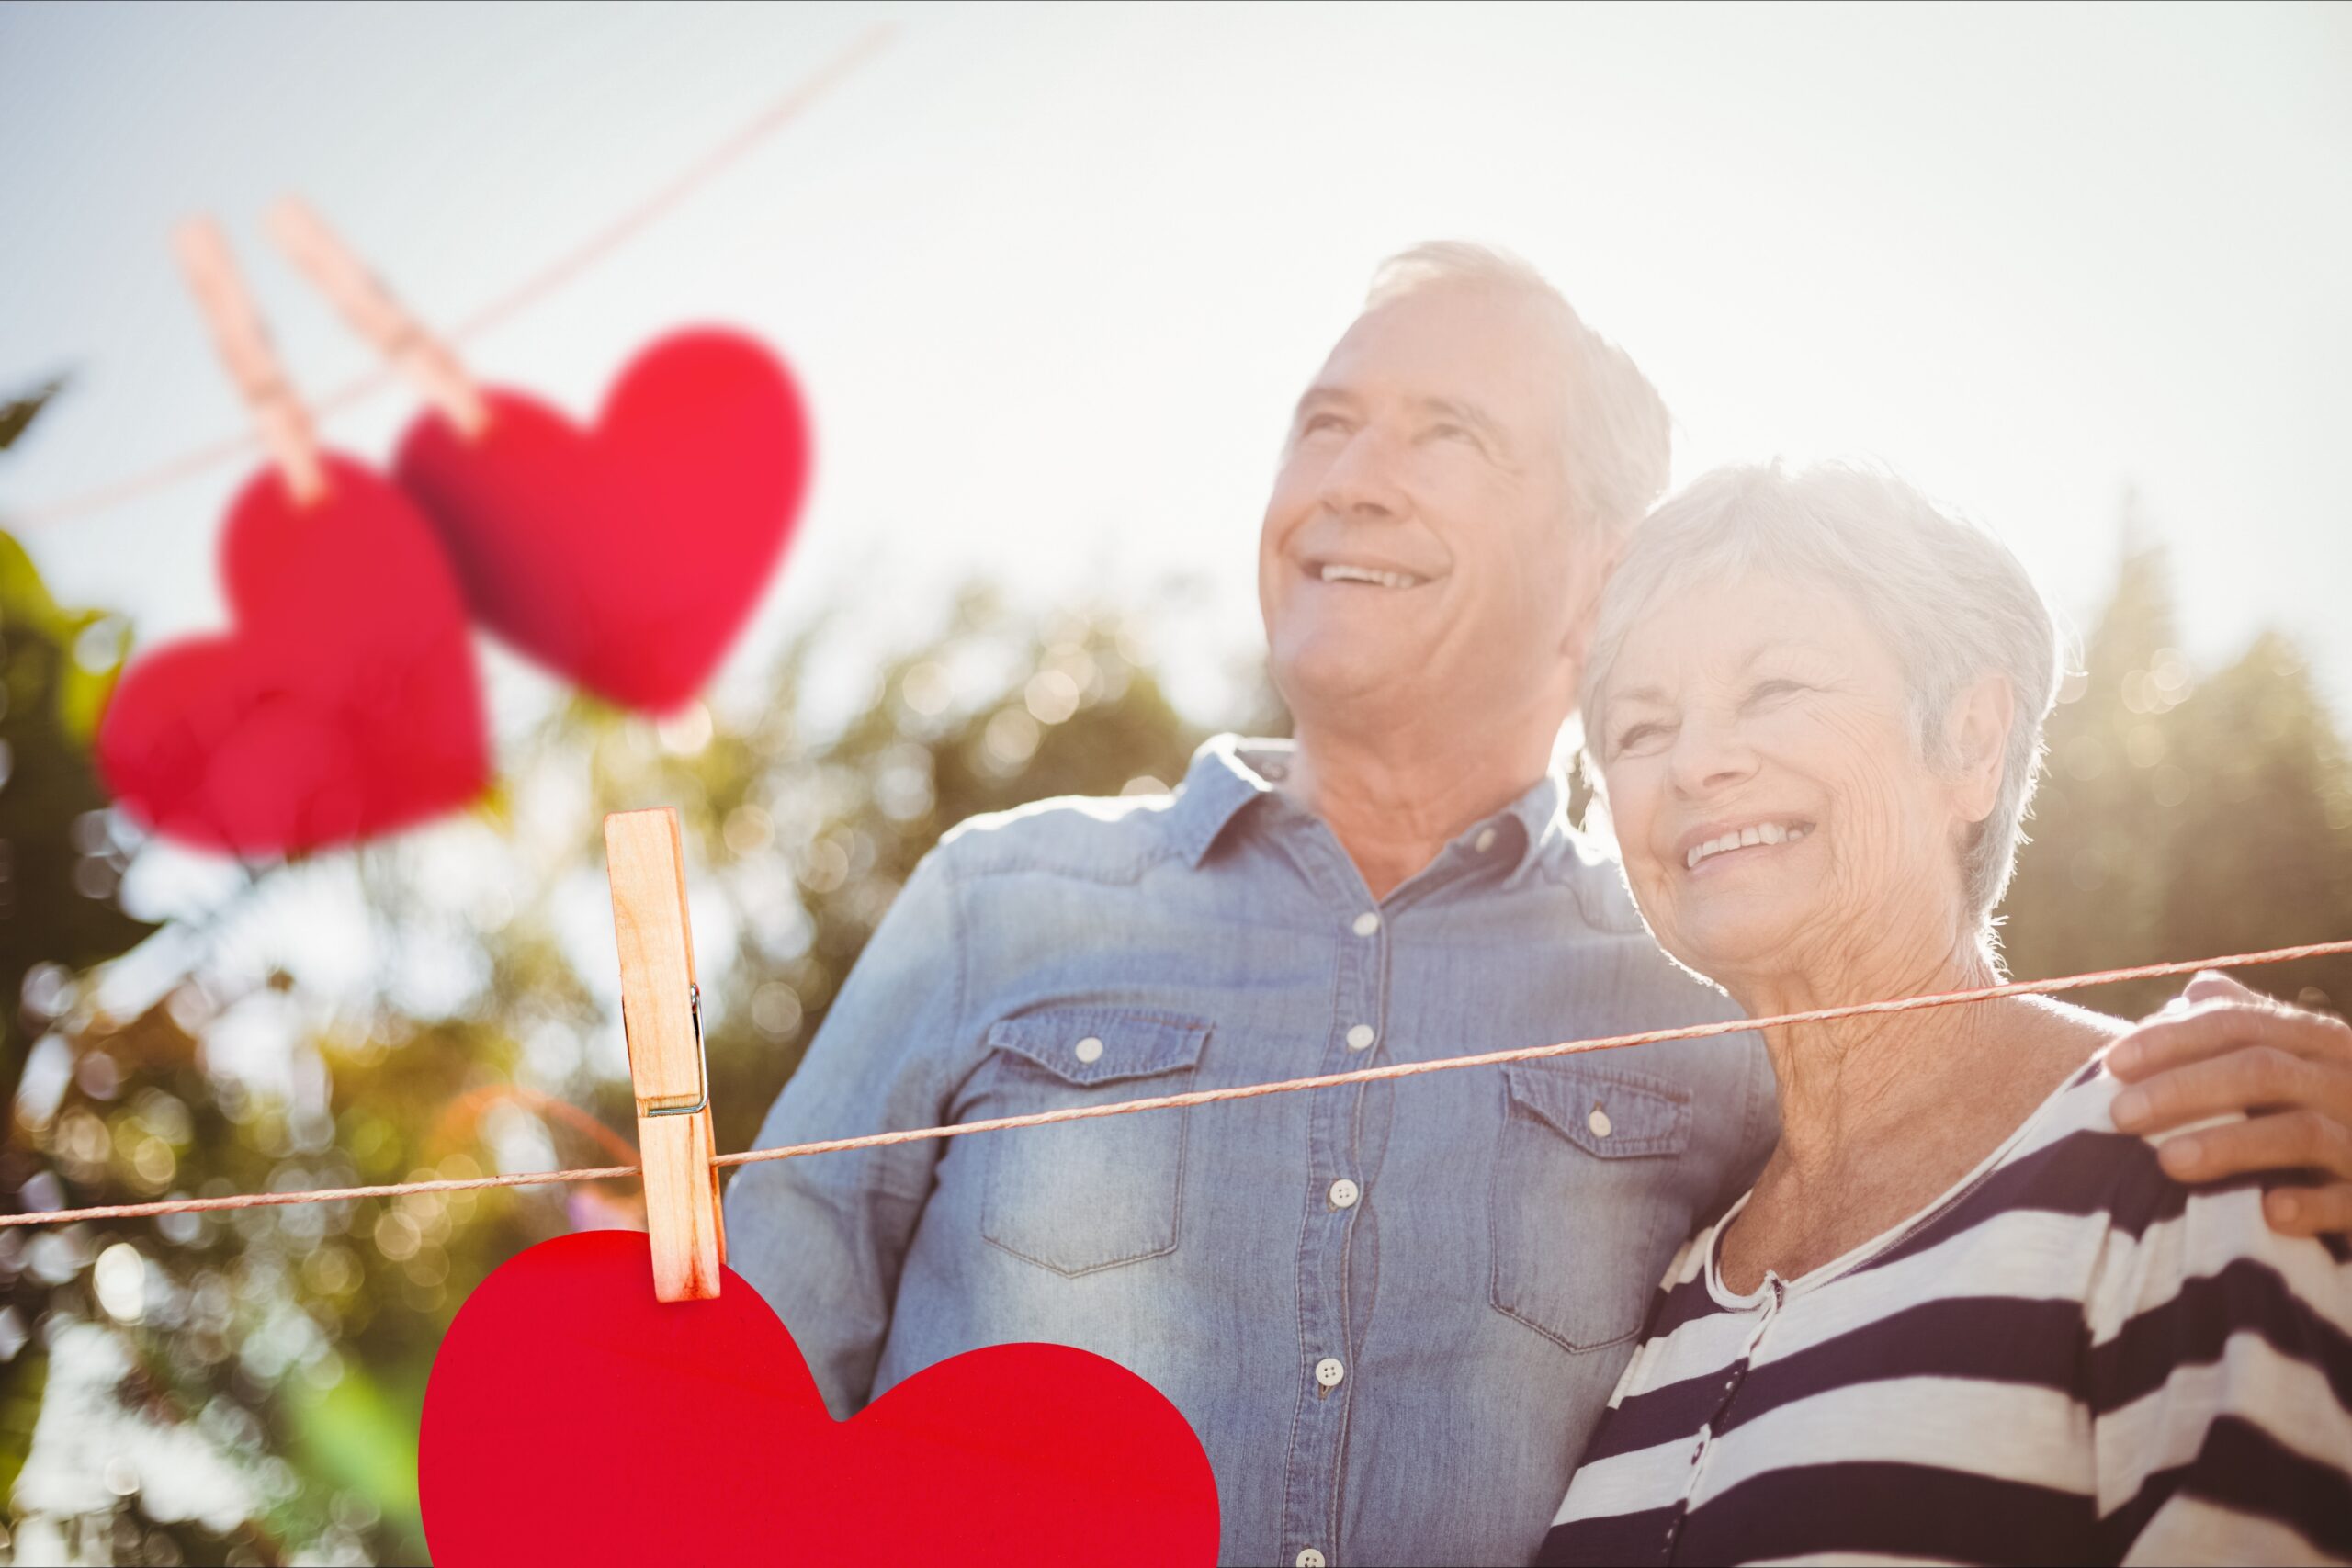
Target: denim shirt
[[1393, 1312]]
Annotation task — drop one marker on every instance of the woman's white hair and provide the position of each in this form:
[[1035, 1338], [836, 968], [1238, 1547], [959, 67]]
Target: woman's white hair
[[1943, 593], [1617, 444]]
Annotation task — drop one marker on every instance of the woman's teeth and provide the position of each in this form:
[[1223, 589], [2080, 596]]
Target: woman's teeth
[[1762, 833], [1367, 574]]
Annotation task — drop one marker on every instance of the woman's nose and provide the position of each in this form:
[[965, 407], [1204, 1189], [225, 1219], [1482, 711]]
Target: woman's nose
[[1363, 479], [1708, 755]]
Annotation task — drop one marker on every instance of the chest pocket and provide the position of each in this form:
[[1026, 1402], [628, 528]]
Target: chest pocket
[[1586, 1208], [1081, 1196]]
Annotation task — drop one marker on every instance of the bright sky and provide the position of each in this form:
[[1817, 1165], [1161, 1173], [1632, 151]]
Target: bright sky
[[1053, 277]]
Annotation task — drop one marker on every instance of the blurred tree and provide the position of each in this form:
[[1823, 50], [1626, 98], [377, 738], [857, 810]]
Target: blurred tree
[[2261, 834], [292, 1344], [58, 868], [2180, 818], [2087, 888], [17, 414]]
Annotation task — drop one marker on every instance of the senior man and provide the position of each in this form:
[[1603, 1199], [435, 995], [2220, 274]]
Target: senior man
[[1392, 1311]]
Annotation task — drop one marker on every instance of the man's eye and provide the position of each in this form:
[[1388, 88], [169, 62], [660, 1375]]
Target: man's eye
[[1320, 424], [1451, 433], [1765, 690]]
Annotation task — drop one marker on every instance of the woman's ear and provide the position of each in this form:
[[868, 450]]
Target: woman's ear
[[1976, 737]]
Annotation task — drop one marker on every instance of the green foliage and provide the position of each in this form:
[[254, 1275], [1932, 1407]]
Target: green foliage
[[76, 689], [59, 861], [58, 864], [2181, 817], [90, 646], [59, 868], [18, 414], [298, 1340]]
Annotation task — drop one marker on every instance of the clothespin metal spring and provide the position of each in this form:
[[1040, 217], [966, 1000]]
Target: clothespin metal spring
[[702, 1060]]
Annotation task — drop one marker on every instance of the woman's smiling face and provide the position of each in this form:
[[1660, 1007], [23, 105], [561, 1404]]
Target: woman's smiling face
[[1765, 782]]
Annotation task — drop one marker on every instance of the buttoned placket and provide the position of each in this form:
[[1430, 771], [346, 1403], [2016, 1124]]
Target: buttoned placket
[[1337, 1190], [1338, 1186], [1735, 1376]]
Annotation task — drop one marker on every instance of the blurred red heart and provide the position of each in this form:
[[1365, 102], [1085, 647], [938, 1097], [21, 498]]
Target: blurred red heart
[[629, 556], [572, 1419], [344, 705]]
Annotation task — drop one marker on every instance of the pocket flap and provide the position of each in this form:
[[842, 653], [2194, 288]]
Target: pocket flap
[[1091, 1046], [1614, 1113]]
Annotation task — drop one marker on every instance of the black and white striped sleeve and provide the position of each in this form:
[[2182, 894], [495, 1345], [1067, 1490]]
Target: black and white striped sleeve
[[2220, 1379]]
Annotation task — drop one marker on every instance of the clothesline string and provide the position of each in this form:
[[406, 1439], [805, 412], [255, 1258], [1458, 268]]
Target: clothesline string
[[529, 292], [1199, 1097]]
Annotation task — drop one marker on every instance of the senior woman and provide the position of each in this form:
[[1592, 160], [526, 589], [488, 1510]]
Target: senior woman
[[1959, 1318]]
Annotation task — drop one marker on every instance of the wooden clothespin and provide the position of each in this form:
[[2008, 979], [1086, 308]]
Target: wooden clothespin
[[376, 315], [661, 1016], [237, 331]]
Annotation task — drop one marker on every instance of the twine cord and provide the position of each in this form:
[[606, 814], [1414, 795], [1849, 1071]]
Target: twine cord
[[1201, 1096], [546, 281]]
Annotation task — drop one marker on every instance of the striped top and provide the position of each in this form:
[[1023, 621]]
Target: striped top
[[2068, 1358]]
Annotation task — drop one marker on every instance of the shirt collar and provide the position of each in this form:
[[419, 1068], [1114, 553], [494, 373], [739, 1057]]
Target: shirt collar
[[1230, 772], [1541, 813]]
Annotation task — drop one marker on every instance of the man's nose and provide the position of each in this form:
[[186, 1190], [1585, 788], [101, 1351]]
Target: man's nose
[[1708, 755], [1363, 481]]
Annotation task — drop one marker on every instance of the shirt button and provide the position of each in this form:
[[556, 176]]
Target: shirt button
[[1328, 1371], [1361, 1037], [1090, 1050], [1310, 1558], [1367, 923], [1344, 1193], [1598, 1122], [1485, 841]]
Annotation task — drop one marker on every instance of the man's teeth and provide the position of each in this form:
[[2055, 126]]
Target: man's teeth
[[1367, 574], [1761, 833]]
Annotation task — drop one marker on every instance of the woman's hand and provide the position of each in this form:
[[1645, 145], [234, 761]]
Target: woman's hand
[[2222, 1048]]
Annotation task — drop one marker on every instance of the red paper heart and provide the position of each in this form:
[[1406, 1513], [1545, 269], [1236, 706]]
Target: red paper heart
[[626, 557], [572, 1419], [344, 705]]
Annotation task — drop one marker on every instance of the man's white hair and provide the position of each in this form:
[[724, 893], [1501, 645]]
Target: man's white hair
[[1618, 440], [1944, 594]]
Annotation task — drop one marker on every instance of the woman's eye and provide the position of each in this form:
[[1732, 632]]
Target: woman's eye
[[1450, 432], [1637, 734], [1765, 690], [1320, 424]]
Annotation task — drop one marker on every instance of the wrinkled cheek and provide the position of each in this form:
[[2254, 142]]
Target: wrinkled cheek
[[1631, 791], [1651, 893], [1631, 794], [1872, 851]]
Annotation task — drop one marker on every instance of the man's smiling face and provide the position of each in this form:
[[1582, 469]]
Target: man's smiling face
[[1416, 557]]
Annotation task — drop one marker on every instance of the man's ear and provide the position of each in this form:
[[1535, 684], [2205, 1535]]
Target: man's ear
[[1598, 554], [1976, 737]]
